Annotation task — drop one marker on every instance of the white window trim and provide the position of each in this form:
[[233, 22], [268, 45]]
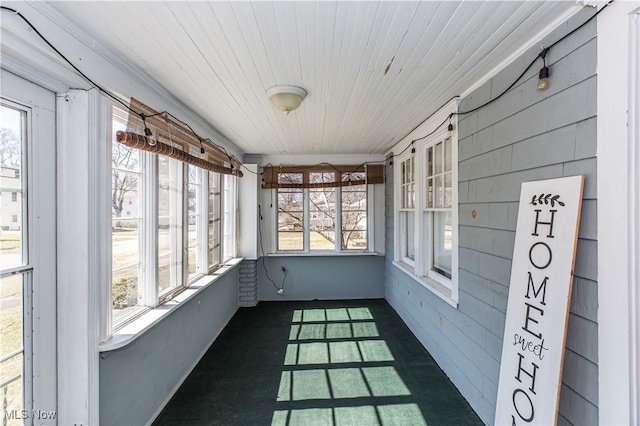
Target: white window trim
[[400, 221], [142, 323], [443, 287], [338, 251], [202, 203], [154, 305], [229, 212]]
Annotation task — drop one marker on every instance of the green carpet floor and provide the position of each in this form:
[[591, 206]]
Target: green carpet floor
[[317, 363]]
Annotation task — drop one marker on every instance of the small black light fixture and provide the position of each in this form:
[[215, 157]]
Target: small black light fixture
[[543, 77], [147, 131], [450, 126], [413, 148]]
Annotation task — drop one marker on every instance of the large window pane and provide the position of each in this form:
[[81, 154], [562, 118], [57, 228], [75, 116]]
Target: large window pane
[[408, 232], [290, 228], [290, 213], [193, 219], [13, 232], [215, 220], [12, 368], [442, 243], [169, 224], [126, 226], [322, 213], [229, 217], [354, 215]]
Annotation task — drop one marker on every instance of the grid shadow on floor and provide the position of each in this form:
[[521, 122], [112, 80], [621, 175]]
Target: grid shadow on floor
[[317, 363]]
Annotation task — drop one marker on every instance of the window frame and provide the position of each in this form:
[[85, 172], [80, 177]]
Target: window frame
[[306, 228], [149, 294], [426, 214], [421, 268], [405, 212]]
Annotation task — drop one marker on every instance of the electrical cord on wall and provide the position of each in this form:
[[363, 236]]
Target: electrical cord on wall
[[279, 290]]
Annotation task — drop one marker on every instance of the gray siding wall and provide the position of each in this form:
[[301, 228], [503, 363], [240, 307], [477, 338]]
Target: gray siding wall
[[523, 136], [322, 277], [136, 380]]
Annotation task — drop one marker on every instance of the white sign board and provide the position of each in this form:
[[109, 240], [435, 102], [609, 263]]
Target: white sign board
[[539, 298]]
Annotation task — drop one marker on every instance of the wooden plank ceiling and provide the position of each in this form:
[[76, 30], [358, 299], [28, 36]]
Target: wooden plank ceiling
[[373, 70]]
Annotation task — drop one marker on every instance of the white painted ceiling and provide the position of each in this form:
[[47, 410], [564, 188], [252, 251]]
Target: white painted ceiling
[[373, 70]]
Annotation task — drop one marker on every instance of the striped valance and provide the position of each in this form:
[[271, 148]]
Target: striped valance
[[171, 138], [321, 176]]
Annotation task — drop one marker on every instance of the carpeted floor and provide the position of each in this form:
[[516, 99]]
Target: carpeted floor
[[317, 363]]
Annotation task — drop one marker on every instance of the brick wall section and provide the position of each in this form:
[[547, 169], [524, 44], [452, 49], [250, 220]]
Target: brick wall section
[[248, 283], [523, 136]]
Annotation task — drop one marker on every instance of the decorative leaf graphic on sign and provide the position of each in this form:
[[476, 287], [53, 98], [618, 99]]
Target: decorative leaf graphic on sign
[[546, 199]]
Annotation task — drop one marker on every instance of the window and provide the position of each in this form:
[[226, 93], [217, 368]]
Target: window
[[170, 226], [407, 210], [172, 231], [194, 199], [290, 214], [16, 268], [437, 210], [322, 207], [426, 213], [127, 248], [321, 212], [215, 222], [353, 204], [229, 217]]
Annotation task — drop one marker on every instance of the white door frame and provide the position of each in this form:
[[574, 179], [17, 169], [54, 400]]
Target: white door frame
[[618, 217], [634, 212]]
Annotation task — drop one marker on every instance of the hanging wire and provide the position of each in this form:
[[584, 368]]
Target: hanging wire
[[231, 158], [266, 271], [111, 95], [541, 55]]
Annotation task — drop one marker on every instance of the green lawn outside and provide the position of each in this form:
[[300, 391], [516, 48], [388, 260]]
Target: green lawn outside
[[11, 340]]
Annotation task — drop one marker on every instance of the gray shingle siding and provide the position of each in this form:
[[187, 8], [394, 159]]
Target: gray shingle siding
[[523, 136]]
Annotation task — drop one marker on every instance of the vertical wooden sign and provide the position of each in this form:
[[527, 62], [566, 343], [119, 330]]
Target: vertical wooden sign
[[539, 298]]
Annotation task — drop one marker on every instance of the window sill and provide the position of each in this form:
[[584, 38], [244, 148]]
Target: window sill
[[149, 319], [323, 253], [432, 285]]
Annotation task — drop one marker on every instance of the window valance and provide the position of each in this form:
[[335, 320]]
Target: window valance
[[321, 176], [172, 139]]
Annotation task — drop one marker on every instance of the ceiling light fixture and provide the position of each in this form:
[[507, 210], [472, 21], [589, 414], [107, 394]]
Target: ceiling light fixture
[[286, 98]]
